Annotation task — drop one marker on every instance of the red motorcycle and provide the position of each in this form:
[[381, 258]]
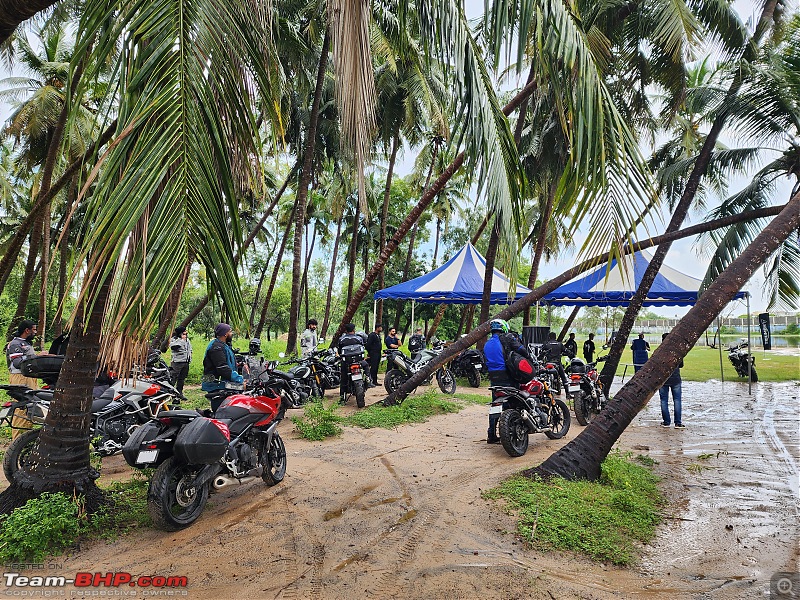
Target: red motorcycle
[[194, 453], [530, 408]]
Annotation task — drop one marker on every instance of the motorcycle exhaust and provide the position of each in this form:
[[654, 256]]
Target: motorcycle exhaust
[[223, 481], [532, 426]]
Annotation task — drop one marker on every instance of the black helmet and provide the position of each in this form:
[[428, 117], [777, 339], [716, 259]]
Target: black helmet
[[255, 346]]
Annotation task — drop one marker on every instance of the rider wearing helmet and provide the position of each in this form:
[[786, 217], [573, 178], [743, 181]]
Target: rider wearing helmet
[[255, 347], [495, 351]]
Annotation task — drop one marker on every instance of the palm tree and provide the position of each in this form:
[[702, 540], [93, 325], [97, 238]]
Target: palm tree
[[169, 187]]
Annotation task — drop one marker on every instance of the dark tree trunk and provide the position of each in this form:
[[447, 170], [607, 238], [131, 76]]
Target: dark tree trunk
[[352, 258], [27, 278], [63, 256], [387, 192], [171, 307], [302, 197], [537, 294], [547, 214], [327, 320], [61, 456], [568, 323], [581, 458], [15, 12], [17, 241], [310, 251], [488, 275], [436, 243], [406, 271], [413, 217], [679, 215], [276, 269]]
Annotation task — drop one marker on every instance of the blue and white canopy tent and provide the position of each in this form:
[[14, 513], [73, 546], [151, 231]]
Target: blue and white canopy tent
[[458, 281], [670, 288]]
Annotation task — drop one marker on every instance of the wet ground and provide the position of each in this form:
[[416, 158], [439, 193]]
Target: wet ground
[[399, 514]]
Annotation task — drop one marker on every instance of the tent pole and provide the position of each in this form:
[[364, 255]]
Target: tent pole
[[719, 333], [412, 316], [549, 315], [749, 349], [374, 314], [537, 313]]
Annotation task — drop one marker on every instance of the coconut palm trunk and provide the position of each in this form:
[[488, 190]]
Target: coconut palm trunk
[[387, 192], [581, 458], [275, 270], [488, 275], [327, 319], [302, 197], [547, 214], [27, 277], [568, 323], [61, 457], [685, 203]]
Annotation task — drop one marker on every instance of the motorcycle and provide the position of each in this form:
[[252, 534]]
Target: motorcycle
[[193, 454], [741, 359], [35, 405], [352, 357], [469, 364], [404, 367], [586, 389], [531, 408], [115, 415]]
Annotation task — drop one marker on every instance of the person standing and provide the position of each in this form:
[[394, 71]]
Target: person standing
[[588, 349], [391, 341], [374, 349], [498, 374], [640, 347], [181, 349], [571, 346], [219, 362], [552, 350], [309, 341], [673, 383], [18, 349]]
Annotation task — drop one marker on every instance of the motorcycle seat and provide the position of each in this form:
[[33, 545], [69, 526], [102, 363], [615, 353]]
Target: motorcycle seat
[[101, 403], [282, 374], [43, 395], [182, 413]]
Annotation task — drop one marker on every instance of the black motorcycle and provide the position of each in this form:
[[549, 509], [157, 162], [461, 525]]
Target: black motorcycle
[[352, 361], [470, 364], [400, 367], [586, 389], [30, 406], [741, 359]]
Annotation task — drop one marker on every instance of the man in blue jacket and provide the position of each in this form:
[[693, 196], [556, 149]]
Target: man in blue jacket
[[219, 362], [495, 352]]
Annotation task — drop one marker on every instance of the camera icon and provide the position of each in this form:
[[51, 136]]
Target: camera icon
[[784, 585]]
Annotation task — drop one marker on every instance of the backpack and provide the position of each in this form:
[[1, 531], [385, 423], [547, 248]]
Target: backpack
[[519, 367]]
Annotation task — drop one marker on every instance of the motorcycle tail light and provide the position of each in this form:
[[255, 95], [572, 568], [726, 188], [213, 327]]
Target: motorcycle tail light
[[165, 421], [575, 377], [6, 404], [355, 367], [550, 366], [223, 428]]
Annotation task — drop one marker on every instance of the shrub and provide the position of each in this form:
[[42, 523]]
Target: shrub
[[41, 527]]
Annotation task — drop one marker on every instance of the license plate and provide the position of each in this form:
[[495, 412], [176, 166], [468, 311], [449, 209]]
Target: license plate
[[493, 410], [147, 456], [574, 388], [478, 367], [357, 377]]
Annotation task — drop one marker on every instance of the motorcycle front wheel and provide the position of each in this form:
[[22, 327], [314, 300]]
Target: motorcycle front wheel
[[393, 379], [274, 462], [446, 381], [559, 421], [513, 433], [17, 455], [172, 504]]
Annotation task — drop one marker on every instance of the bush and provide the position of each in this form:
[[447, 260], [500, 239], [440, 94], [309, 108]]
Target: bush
[[318, 422], [43, 526]]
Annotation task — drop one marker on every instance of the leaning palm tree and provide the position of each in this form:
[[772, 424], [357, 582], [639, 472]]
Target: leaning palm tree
[[186, 143]]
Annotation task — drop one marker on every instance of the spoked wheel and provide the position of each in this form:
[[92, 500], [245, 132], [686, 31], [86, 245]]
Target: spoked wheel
[[18, 454], [581, 406], [446, 381], [275, 461], [513, 433], [171, 500], [393, 379], [474, 378], [559, 421]]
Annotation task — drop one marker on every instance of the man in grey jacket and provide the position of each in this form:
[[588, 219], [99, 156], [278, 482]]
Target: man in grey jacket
[[181, 349]]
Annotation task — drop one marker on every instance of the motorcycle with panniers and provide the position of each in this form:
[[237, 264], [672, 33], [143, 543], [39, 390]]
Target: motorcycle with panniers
[[529, 408], [193, 454]]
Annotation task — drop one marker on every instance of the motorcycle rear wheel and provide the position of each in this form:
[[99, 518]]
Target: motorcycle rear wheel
[[559, 421], [358, 392], [446, 381], [581, 406], [17, 455], [393, 379], [171, 505], [474, 378], [513, 433], [274, 462]]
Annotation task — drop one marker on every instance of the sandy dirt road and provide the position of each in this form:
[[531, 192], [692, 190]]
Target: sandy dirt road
[[399, 514]]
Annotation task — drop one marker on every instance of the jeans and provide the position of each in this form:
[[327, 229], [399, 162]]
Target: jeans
[[663, 392]]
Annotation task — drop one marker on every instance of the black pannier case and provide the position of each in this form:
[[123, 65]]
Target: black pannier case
[[200, 443]]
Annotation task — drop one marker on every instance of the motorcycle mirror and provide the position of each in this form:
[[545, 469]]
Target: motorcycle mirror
[[281, 354]]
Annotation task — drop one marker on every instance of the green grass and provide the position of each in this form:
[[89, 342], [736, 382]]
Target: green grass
[[605, 520]]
